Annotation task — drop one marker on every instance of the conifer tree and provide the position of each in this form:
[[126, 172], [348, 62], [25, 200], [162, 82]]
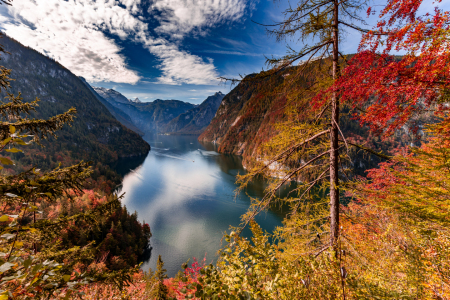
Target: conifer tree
[[33, 263], [160, 290], [310, 148]]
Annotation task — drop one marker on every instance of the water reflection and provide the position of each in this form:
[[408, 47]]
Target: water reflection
[[186, 192]]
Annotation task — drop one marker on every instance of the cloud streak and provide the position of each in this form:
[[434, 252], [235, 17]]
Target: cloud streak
[[80, 35], [181, 67], [179, 17]]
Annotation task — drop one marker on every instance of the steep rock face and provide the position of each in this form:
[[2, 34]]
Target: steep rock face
[[117, 113], [149, 117], [245, 117], [95, 134], [195, 120]]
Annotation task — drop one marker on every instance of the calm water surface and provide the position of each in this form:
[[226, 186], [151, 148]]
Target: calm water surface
[[185, 191]]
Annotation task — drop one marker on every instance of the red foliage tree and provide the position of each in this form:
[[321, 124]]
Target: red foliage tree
[[390, 90]]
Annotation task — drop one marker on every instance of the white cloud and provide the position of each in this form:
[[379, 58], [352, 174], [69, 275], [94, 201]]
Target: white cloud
[[71, 32], [77, 33], [181, 67], [182, 16]]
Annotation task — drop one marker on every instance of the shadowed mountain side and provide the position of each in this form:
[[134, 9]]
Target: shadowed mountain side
[[94, 135], [195, 120], [149, 117], [117, 113]]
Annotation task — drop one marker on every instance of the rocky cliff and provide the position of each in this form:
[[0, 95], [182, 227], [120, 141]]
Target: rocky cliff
[[247, 116], [195, 120]]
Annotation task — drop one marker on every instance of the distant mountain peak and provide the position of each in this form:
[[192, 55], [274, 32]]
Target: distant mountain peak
[[195, 120], [111, 95], [136, 100]]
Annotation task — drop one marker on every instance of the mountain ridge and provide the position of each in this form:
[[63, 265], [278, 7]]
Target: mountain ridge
[[121, 116], [195, 120], [94, 135], [164, 116]]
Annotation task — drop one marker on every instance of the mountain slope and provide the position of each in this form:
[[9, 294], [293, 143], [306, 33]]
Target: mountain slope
[[195, 120], [117, 113], [94, 135], [247, 116], [149, 116], [111, 95]]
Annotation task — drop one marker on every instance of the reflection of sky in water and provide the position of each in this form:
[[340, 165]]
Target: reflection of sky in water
[[186, 193]]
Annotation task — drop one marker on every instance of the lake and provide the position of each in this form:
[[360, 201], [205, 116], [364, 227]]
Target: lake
[[185, 191]]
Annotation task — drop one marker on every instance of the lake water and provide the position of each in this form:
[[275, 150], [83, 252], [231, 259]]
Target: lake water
[[185, 191]]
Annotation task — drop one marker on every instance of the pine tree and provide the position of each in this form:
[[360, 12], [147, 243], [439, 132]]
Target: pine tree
[[160, 290], [32, 261], [310, 145]]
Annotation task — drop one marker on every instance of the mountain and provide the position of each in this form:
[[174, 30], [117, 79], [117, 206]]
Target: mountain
[[111, 95], [136, 100], [117, 113], [94, 135], [149, 116], [195, 120], [247, 116]]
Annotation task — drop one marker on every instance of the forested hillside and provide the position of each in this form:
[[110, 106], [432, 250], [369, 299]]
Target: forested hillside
[[95, 135]]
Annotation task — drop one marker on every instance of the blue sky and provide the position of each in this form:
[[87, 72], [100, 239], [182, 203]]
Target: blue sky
[[152, 49]]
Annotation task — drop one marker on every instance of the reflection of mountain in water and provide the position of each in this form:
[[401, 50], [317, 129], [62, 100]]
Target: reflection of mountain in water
[[185, 191], [126, 165]]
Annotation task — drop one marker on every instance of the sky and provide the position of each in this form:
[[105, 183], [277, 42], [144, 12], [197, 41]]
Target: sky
[[153, 49]]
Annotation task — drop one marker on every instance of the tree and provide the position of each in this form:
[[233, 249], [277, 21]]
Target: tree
[[394, 241], [33, 263], [396, 231], [160, 290], [390, 91], [315, 141]]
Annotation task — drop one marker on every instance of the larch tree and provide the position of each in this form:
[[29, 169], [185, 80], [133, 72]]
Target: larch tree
[[396, 234], [316, 140]]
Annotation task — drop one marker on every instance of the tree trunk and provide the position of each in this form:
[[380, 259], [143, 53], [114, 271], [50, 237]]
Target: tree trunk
[[334, 137]]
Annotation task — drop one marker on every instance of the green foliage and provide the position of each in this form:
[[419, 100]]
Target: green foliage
[[33, 263], [259, 269], [159, 290]]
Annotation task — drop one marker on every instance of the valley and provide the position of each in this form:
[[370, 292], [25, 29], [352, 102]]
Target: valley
[[321, 173]]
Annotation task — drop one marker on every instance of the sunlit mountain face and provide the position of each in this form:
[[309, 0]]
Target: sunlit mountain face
[[162, 49]]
